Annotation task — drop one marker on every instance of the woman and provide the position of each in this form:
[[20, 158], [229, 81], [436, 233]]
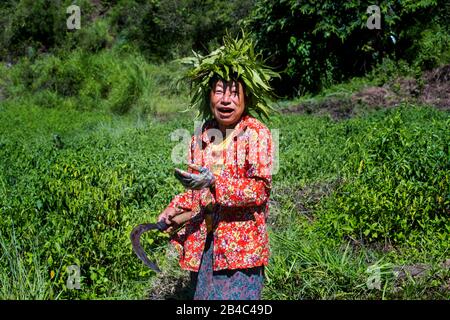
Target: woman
[[225, 244]]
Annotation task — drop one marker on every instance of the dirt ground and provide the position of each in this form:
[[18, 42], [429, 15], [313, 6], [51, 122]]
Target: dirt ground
[[432, 89]]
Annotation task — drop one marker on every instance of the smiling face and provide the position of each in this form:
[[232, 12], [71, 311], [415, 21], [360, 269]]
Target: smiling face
[[227, 103]]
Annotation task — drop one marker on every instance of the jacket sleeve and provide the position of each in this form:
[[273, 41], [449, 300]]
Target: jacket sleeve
[[254, 188], [193, 199], [183, 201]]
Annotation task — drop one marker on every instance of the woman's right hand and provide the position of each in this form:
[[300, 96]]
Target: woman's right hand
[[168, 214]]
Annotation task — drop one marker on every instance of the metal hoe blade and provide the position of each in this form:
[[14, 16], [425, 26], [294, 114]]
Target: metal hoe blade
[[135, 237]]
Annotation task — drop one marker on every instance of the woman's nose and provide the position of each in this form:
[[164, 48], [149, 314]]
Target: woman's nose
[[226, 98]]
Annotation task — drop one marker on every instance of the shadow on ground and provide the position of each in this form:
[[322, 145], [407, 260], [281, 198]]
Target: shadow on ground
[[172, 287]]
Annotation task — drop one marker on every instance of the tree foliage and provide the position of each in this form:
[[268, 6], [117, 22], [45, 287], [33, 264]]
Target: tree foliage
[[161, 29], [316, 43], [321, 42]]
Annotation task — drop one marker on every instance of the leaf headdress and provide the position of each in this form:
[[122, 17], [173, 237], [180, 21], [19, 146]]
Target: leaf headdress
[[235, 60]]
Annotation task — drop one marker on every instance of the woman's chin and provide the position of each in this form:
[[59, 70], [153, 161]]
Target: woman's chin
[[226, 122]]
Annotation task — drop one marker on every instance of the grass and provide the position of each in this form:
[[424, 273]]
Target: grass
[[304, 266], [109, 81], [337, 91], [22, 277]]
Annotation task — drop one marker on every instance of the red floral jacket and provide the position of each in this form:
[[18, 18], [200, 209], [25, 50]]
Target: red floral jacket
[[240, 203]]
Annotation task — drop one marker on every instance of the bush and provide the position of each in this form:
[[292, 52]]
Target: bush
[[160, 30], [109, 80], [31, 27], [91, 38], [398, 177], [432, 49], [324, 42], [164, 30]]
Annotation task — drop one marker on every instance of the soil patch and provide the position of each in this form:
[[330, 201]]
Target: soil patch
[[436, 90], [305, 199], [433, 88], [168, 286]]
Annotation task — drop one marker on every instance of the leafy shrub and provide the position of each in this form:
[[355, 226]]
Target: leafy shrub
[[398, 181], [90, 38], [160, 30], [107, 80], [29, 27], [432, 49], [164, 30], [323, 42], [389, 69]]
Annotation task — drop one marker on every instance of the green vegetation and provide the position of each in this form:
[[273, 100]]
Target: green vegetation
[[339, 209], [75, 204], [86, 116], [319, 43], [107, 81], [160, 29]]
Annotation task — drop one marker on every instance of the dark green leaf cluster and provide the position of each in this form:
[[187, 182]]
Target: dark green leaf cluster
[[398, 181], [320, 43]]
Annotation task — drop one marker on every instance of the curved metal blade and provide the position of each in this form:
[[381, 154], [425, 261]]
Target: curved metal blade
[[135, 237]]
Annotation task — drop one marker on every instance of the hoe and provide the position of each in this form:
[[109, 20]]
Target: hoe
[[161, 226]]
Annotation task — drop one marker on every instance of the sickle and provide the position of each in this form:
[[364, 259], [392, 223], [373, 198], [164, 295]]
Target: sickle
[[135, 236]]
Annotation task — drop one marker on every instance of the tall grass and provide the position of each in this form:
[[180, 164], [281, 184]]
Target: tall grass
[[306, 265], [22, 275], [113, 81]]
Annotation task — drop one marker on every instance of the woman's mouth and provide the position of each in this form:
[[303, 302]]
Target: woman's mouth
[[225, 112]]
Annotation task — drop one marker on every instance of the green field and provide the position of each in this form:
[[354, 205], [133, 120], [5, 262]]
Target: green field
[[351, 194]]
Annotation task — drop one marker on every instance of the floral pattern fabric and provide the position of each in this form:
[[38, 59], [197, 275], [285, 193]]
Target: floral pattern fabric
[[239, 205]]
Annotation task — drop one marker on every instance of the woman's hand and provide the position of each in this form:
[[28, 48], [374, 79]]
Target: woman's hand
[[175, 217], [204, 179], [168, 214]]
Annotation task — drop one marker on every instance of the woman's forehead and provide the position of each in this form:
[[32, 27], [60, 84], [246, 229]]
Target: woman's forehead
[[225, 84]]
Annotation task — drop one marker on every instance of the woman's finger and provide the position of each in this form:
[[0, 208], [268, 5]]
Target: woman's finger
[[194, 167], [182, 173]]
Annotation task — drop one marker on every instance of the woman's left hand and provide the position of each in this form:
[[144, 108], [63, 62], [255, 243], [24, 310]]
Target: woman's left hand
[[204, 179]]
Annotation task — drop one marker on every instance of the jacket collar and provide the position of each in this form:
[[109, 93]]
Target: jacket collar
[[212, 124]]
